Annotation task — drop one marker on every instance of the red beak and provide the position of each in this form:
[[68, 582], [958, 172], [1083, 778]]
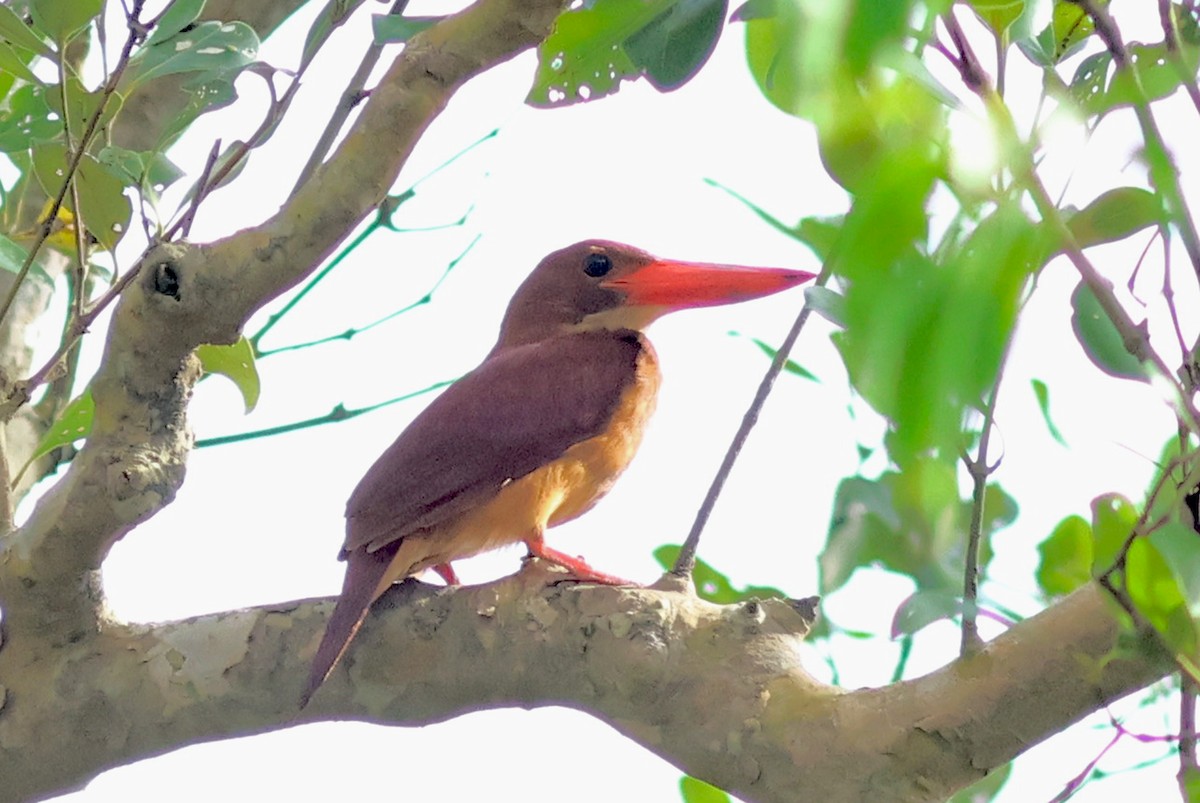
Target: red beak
[[680, 285]]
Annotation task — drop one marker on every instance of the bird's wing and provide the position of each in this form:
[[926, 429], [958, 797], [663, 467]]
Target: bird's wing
[[522, 408]]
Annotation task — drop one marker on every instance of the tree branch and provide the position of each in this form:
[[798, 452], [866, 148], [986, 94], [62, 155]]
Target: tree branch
[[648, 662], [183, 295]]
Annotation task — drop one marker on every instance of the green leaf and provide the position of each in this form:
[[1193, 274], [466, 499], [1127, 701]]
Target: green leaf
[[998, 15], [1191, 784], [179, 15], [235, 361], [1091, 78], [1069, 28], [1043, 399], [332, 16], [711, 585], [820, 234], [72, 424], [14, 64], [874, 26], [26, 119], [678, 42], [1099, 337], [1115, 215], [105, 209], [62, 19], [12, 256], [922, 608], [1113, 520], [1155, 592], [205, 93], [82, 105], [393, 28], [1179, 544], [140, 169], [694, 790], [584, 57], [924, 340], [789, 365], [795, 51], [1066, 557], [828, 303], [14, 30], [209, 47], [1151, 75], [985, 789]]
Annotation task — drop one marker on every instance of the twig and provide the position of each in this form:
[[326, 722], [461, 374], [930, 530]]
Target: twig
[[685, 562], [969, 68], [980, 469], [24, 389], [6, 500], [338, 413], [351, 97], [202, 189], [1163, 174], [77, 156], [1171, 36], [1188, 768]]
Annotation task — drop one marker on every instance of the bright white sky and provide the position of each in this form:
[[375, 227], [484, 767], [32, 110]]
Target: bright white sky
[[261, 521]]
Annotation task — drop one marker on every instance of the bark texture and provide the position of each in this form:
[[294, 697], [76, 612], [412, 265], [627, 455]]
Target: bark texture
[[719, 691]]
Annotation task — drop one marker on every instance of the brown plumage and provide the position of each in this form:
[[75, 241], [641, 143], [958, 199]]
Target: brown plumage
[[535, 435]]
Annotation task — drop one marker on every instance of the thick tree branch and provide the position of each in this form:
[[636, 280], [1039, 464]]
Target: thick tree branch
[[186, 295], [649, 662]]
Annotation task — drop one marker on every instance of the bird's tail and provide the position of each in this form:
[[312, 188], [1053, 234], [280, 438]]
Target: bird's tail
[[364, 573]]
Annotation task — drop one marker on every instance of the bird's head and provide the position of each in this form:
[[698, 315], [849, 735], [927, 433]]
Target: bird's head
[[598, 284]]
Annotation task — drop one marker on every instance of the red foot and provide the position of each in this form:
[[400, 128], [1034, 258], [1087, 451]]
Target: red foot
[[446, 572], [576, 566]]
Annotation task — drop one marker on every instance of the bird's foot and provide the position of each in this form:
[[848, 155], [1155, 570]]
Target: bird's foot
[[446, 572], [578, 567]]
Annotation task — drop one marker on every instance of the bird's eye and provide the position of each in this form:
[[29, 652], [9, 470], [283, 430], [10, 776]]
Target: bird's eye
[[597, 265]]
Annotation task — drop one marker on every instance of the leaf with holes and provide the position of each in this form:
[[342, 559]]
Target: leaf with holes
[[179, 15], [235, 361], [105, 209], [584, 57], [1099, 337], [26, 119], [210, 47], [1152, 74]]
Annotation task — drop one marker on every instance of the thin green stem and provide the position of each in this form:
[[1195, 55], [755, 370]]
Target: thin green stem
[[338, 413], [980, 468], [353, 332]]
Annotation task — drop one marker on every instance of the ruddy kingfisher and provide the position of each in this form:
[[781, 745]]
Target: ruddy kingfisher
[[536, 434]]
